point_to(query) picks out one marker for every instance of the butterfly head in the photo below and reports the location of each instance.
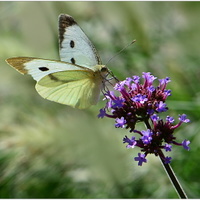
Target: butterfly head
(105, 75)
(102, 70)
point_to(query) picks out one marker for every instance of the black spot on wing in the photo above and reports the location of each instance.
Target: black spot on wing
(72, 44)
(43, 69)
(73, 60)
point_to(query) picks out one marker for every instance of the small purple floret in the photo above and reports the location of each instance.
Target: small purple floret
(139, 98)
(170, 119)
(120, 122)
(167, 160)
(118, 103)
(168, 147)
(154, 117)
(161, 107)
(131, 142)
(183, 118)
(102, 113)
(146, 138)
(185, 144)
(141, 158)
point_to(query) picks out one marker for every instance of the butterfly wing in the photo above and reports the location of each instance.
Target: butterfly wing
(39, 68)
(78, 88)
(75, 47)
(61, 82)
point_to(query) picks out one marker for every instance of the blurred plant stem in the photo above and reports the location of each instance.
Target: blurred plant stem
(174, 180)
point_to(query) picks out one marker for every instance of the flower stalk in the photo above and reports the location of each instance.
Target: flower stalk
(172, 177)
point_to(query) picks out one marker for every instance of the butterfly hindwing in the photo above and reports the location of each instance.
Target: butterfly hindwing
(75, 88)
(75, 47)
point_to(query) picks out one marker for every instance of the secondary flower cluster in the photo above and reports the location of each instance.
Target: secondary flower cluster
(142, 102)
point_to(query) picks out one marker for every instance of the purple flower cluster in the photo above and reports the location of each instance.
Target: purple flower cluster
(142, 102)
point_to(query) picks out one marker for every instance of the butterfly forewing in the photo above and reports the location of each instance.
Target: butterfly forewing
(75, 47)
(39, 68)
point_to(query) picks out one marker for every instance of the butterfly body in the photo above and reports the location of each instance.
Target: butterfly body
(77, 79)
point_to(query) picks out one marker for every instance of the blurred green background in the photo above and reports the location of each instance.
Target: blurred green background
(48, 150)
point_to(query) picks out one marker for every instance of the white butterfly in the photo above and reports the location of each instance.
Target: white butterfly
(77, 79)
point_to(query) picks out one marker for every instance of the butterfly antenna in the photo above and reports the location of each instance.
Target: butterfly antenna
(121, 51)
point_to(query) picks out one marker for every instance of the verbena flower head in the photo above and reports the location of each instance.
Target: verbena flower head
(142, 102)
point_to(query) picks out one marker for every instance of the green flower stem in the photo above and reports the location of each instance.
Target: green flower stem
(174, 180)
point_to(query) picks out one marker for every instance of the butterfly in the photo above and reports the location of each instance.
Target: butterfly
(77, 79)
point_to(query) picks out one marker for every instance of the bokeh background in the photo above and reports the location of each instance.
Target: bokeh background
(48, 150)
